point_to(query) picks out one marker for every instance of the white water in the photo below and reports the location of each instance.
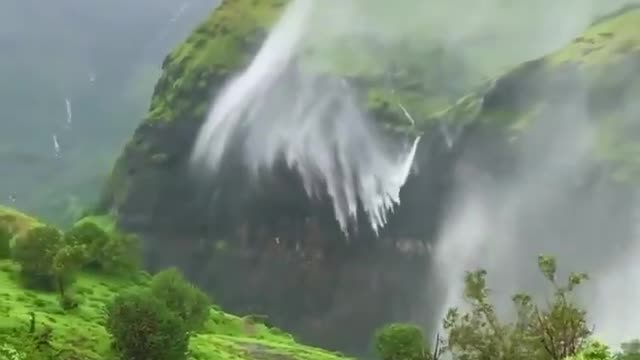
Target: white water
(502, 225)
(68, 108)
(274, 111)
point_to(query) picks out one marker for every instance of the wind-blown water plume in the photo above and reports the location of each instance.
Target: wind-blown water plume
(275, 111)
(551, 204)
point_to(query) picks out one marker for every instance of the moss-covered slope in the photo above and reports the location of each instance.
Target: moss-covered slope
(596, 77)
(80, 334)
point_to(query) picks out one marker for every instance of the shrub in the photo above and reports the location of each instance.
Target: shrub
(142, 327)
(181, 297)
(401, 342)
(92, 238)
(35, 252)
(111, 252)
(5, 242)
(121, 254)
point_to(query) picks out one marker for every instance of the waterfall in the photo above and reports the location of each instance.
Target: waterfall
(275, 112)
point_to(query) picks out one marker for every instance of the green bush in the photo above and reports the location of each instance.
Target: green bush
(5, 242)
(110, 252)
(401, 342)
(35, 251)
(181, 297)
(92, 238)
(121, 254)
(142, 328)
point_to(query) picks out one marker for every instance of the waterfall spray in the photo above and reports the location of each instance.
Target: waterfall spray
(277, 112)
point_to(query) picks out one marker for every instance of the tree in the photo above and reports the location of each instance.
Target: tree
(181, 297)
(554, 332)
(90, 236)
(401, 342)
(120, 254)
(67, 261)
(142, 328)
(5, 242)
(35, 251)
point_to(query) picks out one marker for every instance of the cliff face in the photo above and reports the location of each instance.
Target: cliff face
(269, 249)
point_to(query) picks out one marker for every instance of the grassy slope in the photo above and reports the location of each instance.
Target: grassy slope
(604, 55)
(16, 221)
(81, 330)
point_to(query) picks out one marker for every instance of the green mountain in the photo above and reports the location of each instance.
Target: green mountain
(222, 234)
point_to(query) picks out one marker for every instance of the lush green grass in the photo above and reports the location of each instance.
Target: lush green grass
(605, 41)
(16, 221)
(81, 330)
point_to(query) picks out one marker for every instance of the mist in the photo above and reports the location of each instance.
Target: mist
(83, 71)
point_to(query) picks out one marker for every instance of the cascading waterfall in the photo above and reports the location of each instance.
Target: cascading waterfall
(275, 111)
(502, 224)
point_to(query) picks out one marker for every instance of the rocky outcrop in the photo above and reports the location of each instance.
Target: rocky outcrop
(269, 249)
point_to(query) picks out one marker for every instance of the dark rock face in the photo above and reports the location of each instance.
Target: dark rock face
(268, 249)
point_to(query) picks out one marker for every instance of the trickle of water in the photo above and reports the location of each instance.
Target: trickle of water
(69, 114)
(56, 145)
(274, 111)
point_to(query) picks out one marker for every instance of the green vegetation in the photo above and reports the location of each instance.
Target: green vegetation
(72, 307)
(5, 242)
(606, 41)
(142, 328)
(556, 330)
(188, 302)
(215, 49)
(401, 342)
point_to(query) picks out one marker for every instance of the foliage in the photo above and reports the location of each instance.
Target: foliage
(35, 251)
(121, 254)
(68, 260)
(181, 297)
(630, 351)
(554, 332)
(401, 342)
(90, 236)
(5, 242)
(112, 252)
(143, 328)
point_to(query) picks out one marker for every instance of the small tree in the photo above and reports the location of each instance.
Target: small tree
(401, 342)
(92, 238)
(554, 332)
(67, 261)
(5, 242)
(181, 297)
(142, 328)
(121, 253)
(35, 252)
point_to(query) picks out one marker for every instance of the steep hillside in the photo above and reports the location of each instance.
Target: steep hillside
(79, 333)
(270, 249)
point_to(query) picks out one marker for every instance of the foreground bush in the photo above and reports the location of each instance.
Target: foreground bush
(401, 342)
(35, 251)
(555, 331)
(181, 297)
(143, 328)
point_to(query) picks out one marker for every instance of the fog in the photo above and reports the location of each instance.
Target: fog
(95, 60)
